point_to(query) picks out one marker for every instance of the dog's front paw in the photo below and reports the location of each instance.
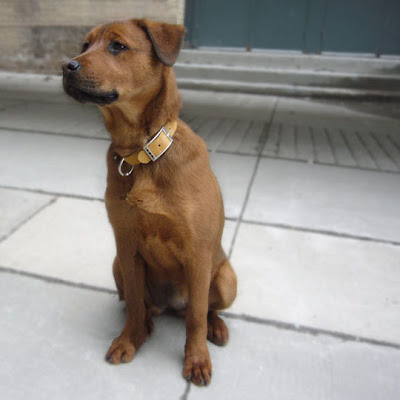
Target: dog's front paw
(122, 350)
(198, 368)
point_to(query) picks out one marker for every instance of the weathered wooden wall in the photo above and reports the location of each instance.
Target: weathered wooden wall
(38, 35)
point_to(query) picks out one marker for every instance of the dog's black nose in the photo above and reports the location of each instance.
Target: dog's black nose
(73, 66)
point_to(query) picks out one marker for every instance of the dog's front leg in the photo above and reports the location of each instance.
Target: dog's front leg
(134, 333)
(197, 366)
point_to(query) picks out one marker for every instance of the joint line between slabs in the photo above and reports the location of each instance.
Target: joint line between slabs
(185, 394)
(242, 317)
(321, 232)
(57, 281)
(259, 156)
(310, 330)
(49, 193)
(29, 218)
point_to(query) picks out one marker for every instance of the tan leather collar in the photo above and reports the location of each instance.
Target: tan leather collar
(153, 150)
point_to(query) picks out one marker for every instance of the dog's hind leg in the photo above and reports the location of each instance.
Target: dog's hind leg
(222, 294)
(223, 287)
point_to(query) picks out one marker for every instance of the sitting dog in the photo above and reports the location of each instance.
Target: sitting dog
(162, 199)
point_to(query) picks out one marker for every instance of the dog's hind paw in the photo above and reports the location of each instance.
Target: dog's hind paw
(217, 331)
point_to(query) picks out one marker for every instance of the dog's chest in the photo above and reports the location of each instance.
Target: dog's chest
(146, 217)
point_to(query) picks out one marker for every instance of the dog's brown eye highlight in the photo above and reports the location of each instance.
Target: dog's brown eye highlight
(85, 47)
(117, 47)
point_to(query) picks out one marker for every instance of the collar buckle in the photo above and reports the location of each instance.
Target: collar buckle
(150, 153)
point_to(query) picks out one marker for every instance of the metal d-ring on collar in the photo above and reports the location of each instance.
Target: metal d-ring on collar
(120, 168)
(147, 151)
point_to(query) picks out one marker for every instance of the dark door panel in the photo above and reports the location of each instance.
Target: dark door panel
(278, 24)
(311, 26)
(353, 26)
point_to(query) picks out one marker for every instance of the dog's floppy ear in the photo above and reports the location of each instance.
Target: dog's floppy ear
(167, 39)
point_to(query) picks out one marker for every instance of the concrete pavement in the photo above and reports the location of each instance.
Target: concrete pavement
(311, 190)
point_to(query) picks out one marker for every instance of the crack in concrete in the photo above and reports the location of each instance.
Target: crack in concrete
(263, 140)
(185, 394)
(310, 330)
(322, 232)
(26, 220)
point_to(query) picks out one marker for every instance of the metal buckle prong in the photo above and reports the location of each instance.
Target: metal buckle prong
(120, 168)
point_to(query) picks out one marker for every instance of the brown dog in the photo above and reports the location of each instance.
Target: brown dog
(167, 212)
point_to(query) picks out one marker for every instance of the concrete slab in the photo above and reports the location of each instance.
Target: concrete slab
(71, 240)
(262, 362)
(326, 282)
(17, 206)
(348, 201)
(54, 164)
(55, 349)
(54, 338)
(233, 173)
(67, 119)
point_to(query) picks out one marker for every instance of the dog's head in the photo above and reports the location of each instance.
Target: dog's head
(122, 60)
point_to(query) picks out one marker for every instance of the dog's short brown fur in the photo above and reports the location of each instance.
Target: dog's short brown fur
(167, 215)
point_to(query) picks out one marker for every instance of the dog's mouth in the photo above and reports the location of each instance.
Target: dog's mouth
(86, 95)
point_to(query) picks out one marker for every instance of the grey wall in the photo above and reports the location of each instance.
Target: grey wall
(38, 35)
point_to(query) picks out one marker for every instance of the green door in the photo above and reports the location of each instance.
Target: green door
(311, 26)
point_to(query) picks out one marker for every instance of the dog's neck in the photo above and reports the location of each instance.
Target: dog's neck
(132, 124)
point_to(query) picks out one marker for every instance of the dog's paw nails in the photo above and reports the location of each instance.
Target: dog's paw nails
(198, 370)
(121, 351)
(108, 358)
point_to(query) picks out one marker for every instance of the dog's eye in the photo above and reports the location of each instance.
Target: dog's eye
(85, 47)
(117, 47)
